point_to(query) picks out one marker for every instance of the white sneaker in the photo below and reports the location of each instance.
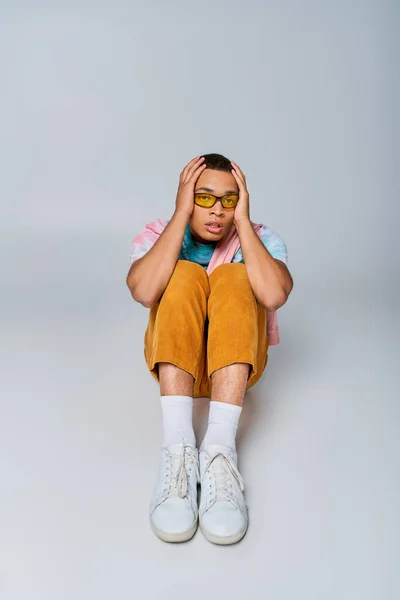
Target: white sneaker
(173, 507)
(223, 512)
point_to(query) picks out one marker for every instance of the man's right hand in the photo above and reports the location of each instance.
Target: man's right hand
(187, 180)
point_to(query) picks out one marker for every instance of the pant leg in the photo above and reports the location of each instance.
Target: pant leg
(237, 322)
(176, 327)
(202, 386)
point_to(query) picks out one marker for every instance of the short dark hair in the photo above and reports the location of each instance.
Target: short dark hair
(217, 162)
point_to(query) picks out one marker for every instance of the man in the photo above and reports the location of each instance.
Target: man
(213, 281)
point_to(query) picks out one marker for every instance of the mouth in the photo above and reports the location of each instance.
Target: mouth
(214, 227)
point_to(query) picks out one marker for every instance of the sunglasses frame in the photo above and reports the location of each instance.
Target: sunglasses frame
(215, 200)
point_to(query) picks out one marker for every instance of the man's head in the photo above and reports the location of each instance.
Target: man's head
(216, 179)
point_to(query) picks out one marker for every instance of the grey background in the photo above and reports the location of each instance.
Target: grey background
(102, 105)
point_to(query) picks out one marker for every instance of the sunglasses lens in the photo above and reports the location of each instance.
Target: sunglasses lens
(230, 201)
(204, 199)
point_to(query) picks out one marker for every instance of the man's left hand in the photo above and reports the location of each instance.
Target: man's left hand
(242, 210)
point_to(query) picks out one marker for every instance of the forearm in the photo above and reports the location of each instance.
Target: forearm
(266, 277)
(149, 276)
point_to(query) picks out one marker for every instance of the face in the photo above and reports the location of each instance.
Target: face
(218, 183)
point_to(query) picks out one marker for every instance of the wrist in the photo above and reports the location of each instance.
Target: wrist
(242, 222)
(181, 215)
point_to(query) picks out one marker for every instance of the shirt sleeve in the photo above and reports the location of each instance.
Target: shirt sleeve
(273, 242)
(142, 243)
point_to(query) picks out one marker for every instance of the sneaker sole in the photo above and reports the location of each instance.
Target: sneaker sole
(182, 536)
(223, 540)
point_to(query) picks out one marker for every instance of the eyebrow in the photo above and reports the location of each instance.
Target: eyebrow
(212, 191)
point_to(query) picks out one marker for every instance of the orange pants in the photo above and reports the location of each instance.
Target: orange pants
(205, 322)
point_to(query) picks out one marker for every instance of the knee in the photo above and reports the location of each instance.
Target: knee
(229, 274)
(188, 279)
(228, 270)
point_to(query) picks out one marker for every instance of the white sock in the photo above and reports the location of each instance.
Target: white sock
(177, 415)
(223, 420)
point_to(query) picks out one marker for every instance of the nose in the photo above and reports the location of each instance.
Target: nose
(217, 208)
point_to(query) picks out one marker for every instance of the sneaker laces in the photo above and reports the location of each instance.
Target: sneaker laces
(222, 468)
(177, 476)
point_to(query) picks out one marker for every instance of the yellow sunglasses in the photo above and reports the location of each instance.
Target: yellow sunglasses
(208, 200)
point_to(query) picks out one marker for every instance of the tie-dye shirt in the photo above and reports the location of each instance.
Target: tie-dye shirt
(201, 253)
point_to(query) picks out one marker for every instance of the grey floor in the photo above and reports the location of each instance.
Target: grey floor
(81, 431)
